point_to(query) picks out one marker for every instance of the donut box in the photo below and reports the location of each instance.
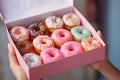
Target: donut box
(22, 12)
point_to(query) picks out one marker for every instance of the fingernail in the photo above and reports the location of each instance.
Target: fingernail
(99, 33)
(8, 46)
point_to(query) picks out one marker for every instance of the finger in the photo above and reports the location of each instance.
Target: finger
(11, 55)
(99, 33)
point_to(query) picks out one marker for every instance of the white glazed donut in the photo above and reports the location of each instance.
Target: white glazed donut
(54, 23)
(32, 60)
(71, 20)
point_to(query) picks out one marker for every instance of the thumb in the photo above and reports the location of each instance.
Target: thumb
(11, 55)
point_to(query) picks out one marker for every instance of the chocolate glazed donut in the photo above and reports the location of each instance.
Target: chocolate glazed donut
(37, 29)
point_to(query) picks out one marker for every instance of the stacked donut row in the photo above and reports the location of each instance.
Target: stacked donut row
(57, 38)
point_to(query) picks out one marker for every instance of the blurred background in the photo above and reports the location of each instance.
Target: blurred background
(103, 15)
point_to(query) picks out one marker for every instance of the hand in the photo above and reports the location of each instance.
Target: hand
(98, 65)
(106, 68)
(17, 70)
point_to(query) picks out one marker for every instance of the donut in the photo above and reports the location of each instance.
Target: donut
(19, 33)
(32, 60)
(90, 43)
(41, 42)
(24, 47)
(71, 48)
(80, 33)
(60, 36)
(54, 23)
(71, 20)
(51, 54)
(37, 29)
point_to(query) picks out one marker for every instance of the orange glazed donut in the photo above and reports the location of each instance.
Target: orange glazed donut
(42, 42)
(90, 44)
(19, 33)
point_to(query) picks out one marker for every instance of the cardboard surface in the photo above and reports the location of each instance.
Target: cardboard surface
(20, 9)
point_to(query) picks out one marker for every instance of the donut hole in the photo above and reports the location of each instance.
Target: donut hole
(51, 55)
(62, 35)
(71, 49)
(18, 32)
(80, 31)
(43, 42)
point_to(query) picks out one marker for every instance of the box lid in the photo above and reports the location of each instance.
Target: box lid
(13, 10)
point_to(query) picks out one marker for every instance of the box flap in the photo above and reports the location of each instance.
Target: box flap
(13, 10)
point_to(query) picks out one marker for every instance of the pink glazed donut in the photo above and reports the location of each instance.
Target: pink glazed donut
(42, 42)
(19, 33)
(51, 54)
(32, 59)
(71, 48)
(60, 36)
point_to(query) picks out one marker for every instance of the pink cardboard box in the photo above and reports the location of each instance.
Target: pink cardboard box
(18, 12)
